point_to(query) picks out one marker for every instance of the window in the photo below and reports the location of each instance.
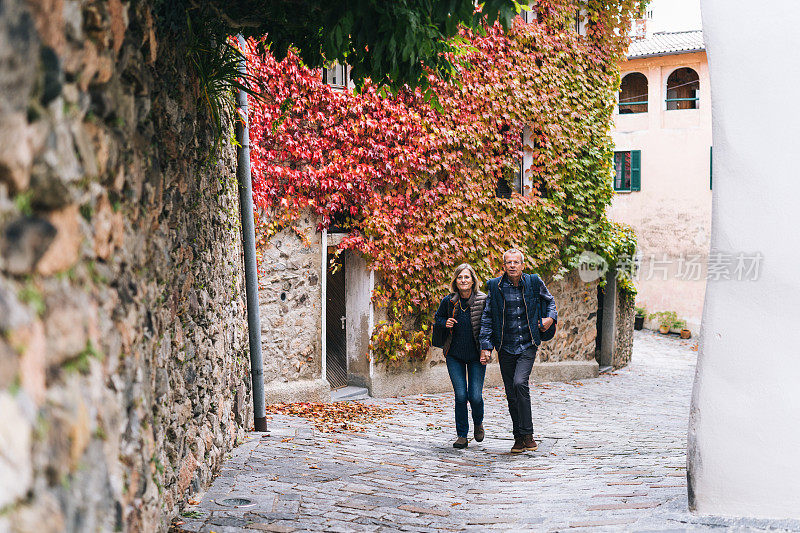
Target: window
(510, 182)
(335, 76)
(528, 16)
(633, 94)
(578, 23)
(627, 170)
(683, 89)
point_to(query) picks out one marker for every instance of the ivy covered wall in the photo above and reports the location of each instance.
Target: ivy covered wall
(413, 176)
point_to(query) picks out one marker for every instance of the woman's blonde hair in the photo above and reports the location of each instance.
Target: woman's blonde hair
(459, 269)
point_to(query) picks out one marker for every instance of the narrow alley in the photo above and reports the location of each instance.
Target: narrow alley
(611, 457)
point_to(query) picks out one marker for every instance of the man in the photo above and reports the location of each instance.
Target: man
(510, 324)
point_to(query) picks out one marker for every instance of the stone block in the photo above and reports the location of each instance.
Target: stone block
(564, 371)
(9, 366)
(13, 314)
(24, 242)
(64, 249)
(16, 157)
(186, 473)
(15, 441)
(30, 340)
(66, 321)
(307, 390)
(45, 515)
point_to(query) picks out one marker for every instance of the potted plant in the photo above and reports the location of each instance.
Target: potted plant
(638, 319)
(685, 332)
(677, 326)
(665, 320)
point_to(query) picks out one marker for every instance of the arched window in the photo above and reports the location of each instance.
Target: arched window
(683, 89)
(633, 94)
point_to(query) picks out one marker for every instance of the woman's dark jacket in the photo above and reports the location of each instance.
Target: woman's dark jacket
(475, 302)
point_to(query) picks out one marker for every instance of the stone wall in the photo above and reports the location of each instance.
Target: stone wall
(623, 339)
(290, 299)
(570, 355)
(123, 361)
(577, 321)
(291, 307)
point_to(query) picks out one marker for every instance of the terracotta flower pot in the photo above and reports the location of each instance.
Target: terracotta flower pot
(686, 334)
(664, 330)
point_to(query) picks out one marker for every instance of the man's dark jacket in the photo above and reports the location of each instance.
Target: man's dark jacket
(493, 317)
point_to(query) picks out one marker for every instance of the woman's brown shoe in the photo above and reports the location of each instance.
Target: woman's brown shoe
(460, 443)
(529, 444)
(479, 433)
(518, 447)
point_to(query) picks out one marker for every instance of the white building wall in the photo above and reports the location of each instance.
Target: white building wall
(744, 428)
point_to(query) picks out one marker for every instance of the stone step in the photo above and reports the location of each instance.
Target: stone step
(350, 392)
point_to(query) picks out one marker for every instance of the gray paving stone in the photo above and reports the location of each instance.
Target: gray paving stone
(615, 444)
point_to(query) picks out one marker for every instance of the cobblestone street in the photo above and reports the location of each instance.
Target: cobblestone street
(611, 457)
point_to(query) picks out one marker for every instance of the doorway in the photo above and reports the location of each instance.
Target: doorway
(606, 322)
(336, 319)
(601, 293)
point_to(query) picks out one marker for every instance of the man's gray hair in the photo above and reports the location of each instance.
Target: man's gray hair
(514, 251)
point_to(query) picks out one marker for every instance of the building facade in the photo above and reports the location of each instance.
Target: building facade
(317, 317)
(662, 169)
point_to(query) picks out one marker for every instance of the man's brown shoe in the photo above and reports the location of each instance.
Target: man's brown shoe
(479, 433)
(460, 443)
(529, 444)
(518, 447)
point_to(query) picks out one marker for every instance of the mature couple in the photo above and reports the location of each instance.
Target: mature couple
(507, 319)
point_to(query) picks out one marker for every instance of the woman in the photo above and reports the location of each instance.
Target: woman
(460, 313)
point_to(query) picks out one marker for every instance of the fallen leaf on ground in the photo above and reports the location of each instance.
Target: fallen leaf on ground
(332, 417)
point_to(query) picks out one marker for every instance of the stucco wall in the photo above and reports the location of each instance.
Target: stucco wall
(359, 294)
(123, 347)
(671, 214)
(745, 417)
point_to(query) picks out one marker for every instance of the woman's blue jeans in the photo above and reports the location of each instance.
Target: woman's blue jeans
(467, 379)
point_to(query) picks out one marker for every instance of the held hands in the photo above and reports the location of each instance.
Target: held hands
(546, 323)
(451, 322)
(486, 355)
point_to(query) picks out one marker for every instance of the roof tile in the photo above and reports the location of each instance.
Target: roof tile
(667, 43)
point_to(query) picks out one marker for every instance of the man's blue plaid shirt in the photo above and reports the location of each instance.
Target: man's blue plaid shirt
(516, 333)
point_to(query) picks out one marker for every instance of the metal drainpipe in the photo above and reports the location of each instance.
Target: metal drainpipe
(249, 244)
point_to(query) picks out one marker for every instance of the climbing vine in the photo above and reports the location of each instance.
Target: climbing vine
(413, 179)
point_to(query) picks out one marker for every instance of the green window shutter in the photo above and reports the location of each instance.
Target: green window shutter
(636, 170)
(710, 167)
